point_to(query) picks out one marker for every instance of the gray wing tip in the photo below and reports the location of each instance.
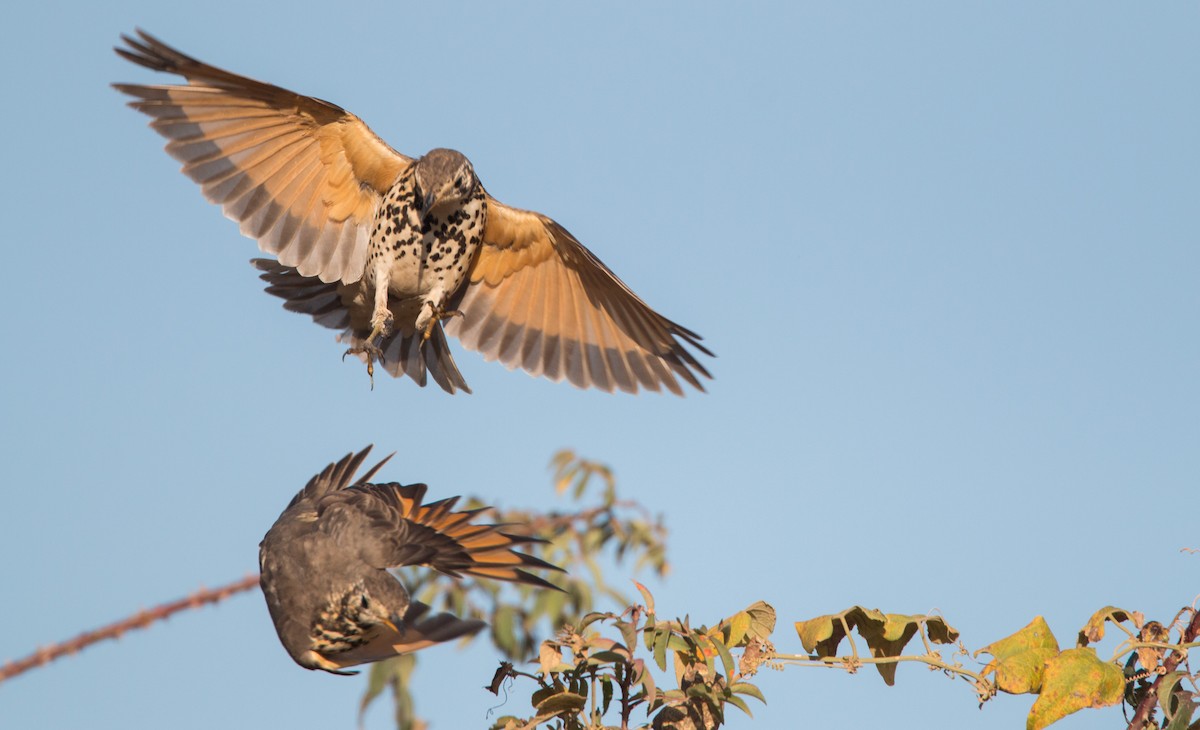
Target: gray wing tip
(337, 476)
(150, 52)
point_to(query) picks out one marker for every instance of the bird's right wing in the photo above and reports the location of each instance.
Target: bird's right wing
(300, 175)
(539, 300)
(416, 631)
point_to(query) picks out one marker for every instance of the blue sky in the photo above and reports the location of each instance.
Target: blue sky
(946, 253)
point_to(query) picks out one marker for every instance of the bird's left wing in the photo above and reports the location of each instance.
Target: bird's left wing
(392, 526)
(338, 476)
(538, 300)
(300, 175)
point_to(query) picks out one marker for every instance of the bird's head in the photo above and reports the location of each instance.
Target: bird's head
(444, 177)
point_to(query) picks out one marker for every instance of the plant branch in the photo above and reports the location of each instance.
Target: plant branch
(803, 660)
(1150, 699)
(139, 620)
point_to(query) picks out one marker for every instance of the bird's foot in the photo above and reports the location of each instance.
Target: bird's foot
(371, 350)
(437, 314)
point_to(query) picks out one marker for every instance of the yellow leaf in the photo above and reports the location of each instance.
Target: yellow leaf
(762, 620)
(888, 639)
(739, 625)
(822, 634)
(1094, 630)
(1020, 658)
(1074, 680)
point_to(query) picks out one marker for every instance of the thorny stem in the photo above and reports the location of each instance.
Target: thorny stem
(595, 702)
(139, 620)
(626, 709)
(562, 521)
(1150, 699)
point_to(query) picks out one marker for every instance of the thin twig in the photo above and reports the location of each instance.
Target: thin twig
(139, 620)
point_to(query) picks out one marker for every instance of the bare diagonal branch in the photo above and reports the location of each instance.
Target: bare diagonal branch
(139, 620)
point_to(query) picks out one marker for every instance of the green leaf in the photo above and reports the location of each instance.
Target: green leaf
(560, 703)
(675, 642)
(608, 656)
(745, 688)
(504, 631)
(606, 687)
(377, 680)
(1183, 717)
(543, 694)
(699, 690)
(1074, 680)
(739, 703)
(628, 633)
(646, 596)
(726, 658)
(1177, 706)
(661, 638)
(647, 682)
(1019, 659)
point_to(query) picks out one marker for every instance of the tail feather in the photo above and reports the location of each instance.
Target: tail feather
(403, 354)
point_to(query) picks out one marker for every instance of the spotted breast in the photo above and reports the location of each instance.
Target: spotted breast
(429, 225)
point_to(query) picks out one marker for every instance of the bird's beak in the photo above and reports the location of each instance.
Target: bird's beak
(427, 203)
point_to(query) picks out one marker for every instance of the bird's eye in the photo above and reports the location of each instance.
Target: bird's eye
(458, 182)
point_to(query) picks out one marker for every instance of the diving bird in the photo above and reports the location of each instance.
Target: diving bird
(391, 250)
(325, 567)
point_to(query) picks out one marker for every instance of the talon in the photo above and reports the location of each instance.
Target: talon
(437, 314)
(373, 353)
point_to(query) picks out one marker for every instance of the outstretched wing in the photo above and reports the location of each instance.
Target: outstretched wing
(300, 175)
(390, 527)
(538, 300)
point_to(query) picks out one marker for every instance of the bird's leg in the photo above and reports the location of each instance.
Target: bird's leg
(381, 327)
(430, 315)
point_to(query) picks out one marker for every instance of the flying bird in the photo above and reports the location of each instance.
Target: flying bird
(325, 567)
(393, 250)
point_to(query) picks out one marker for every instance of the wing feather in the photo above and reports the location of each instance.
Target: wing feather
(403, 531)
(300, 175)
(537, 299)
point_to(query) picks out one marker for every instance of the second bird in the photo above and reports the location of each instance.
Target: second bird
(391, 250)
(326, 567)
